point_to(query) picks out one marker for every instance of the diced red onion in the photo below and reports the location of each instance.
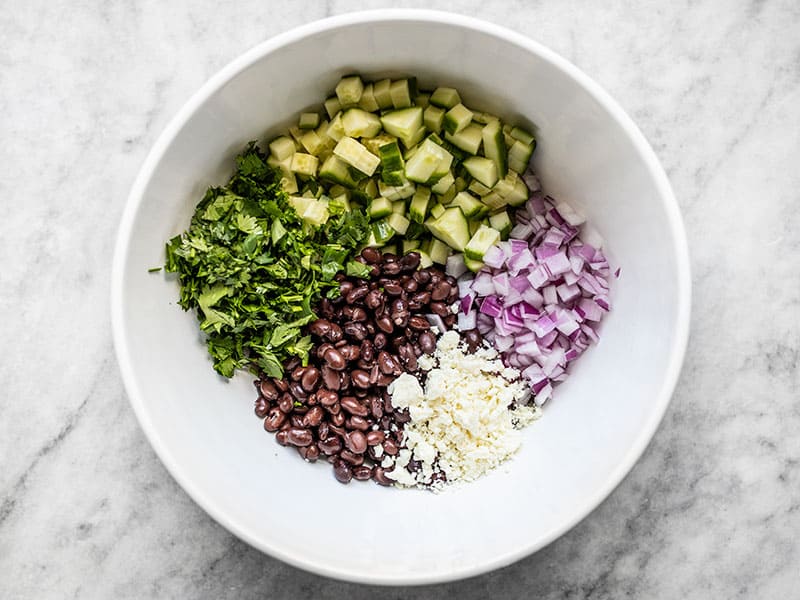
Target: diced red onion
(491, 306)
(455, 265)
(467, 321)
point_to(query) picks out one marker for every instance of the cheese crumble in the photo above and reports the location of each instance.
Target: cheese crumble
(464, 422)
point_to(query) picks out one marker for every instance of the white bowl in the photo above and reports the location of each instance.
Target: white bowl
(203, 429)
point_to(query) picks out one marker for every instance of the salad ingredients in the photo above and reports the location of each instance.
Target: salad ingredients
(254, 261)
(464, 422)
(543, 292)
(371, 332)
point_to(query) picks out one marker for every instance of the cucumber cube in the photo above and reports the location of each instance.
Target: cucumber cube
(494, 147)
(356, 155)
(477, 188)
(444, 184)
(418, 209)
(374, 144)
(506, 185)
(312, 142)
(367, 101)
(493, 200)
(501, 222)
(382, 231)
(309, 120)
(445, 97)
(482, 169)
(404, 123)
(360, 123)
(523, 136)
(394, 177)
(382, 92)
(305, 164)
(391, 159)
(469, 204)
(484, 118)
(399, 206)
(337, 171)
(389, 249)
(349, 90)
(398, 222)
(424, 260)
(519, 155)
(437, 210)
(468, 139)
(451, 227)
(410, 246)
(371, 188)
(335, 130)
(484, 238)
(519, 195)
(401, 92)
(457, 118)
(425, 161)
(282, 147)
(332, 106)
(379, 208)
(433, 117)
(422, 100)
(473, 265)
(448, 196)
(439, 251)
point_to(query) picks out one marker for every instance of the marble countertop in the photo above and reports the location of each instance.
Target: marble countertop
(712, 510)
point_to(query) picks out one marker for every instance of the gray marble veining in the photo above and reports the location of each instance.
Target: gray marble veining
(711, 511)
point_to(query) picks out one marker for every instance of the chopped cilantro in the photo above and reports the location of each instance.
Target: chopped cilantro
(252, 269)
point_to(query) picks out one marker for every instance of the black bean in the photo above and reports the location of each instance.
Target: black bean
(313, 417)
(310, 379)
(262, 408)
(268, 390)
(330, 445)
(356, 441)
(351, 457)
(375, 437)
(367, 351)
(388, 364)
(357, 294)
(380, 476)
(342, 471)
(353, 406)
(390, 447)
(356, 422)
(327, 397)
(297, 390)
(362, 473)
(393, 289)
(473, 338)
(371, 255)
(286, 403)
(440, 291)
(282, 437)
(440, 308)
(360, 379)
(384, 323)
(335, 359)
(392, 268)
(419, 323)
(330, 377)
(410, 261)
(375, 406)
(373, 299)
(359, 315)
(274, 420)
(379, 341)
(423, 276)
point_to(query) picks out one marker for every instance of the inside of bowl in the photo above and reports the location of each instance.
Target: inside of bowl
(204, 428)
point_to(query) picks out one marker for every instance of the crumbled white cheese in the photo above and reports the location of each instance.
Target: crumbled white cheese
(461, 424)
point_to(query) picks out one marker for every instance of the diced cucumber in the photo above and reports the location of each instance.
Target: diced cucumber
(469, 204)
(335, 129)
(399, 206)
(410, 246)
(473, 227)
(501, 222)
(389, 249)
(451, 227)
(382, 231)
(423, 164)
(391, 159)
(439, 251)
(482, 169)
(338, 190)
(289, 182)
(493, 200)
(477, 188)
(494, 146)
(461, 184)
(360, 123)
(356, 155)
(433, 117)
(296, 134)
(409, 152)
(312, 142)
(445, 97)
(416, 231)
(519, 155)
(371, 189)
(382, 93)
(416, 138)
(402, 92)
(506, 185)
(308, 120)
(484, 117)
(404, 123)
(441, 186)
(282, 147)
(422, 99)
(367, 101)
(312, 211)
(473, 265)
(398, 222)
(442, 169)
(371, 241)
(457, 118)
(484, 238)
(448, 196)
(380, 207)
(468, 139)
(349, 90)
(394, 177)
(519, 195)
(523, 136)
(332, 106)
(424, 260)
(437, 210)
(418, 209)
(337, 171)
(374, 144)
(305, 164)
(398, 192)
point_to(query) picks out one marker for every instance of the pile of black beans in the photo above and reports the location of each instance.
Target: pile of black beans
(338, 407)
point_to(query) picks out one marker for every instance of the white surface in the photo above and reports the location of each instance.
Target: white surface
(591, 155)
(88, 511)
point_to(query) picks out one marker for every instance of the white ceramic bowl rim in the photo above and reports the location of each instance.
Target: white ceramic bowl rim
(675, 226)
